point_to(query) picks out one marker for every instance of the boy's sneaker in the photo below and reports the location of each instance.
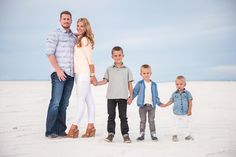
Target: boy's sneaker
(153, 137)
(188, 138)
(141, 137)
(175, 138)
(126, 138)
(110, 137)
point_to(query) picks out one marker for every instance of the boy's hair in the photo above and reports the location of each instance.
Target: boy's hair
(180, 77)
(65, 12)
(116, 48)
(146, 66)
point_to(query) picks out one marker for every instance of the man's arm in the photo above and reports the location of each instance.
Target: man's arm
(60, 73)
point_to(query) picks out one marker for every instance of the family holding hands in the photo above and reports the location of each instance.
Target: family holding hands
(71, 58)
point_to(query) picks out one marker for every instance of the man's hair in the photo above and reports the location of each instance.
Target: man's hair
(146, 66)
(116, 48)
(65, 12)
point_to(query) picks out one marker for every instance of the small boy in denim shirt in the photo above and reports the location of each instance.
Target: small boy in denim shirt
(182, 109)
(147, 93)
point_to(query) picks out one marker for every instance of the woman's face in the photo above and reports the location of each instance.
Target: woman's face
(80, 28)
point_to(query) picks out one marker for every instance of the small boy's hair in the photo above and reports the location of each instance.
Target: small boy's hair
(145, 66)
(180, 77)
(65, 12)
(116, 48)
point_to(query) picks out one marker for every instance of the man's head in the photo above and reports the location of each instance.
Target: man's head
(65, 19)
(117, 54)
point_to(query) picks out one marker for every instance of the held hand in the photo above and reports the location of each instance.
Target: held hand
(93, 80)
(163, 105)
(129, 101)
(61, 75)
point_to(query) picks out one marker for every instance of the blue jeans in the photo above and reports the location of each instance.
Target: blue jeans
(56, 116)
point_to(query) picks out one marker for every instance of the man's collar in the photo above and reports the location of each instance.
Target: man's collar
(64, 30)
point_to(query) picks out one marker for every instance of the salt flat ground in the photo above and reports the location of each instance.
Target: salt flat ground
(23, 107)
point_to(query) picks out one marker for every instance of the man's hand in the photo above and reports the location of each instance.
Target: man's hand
(61, 75)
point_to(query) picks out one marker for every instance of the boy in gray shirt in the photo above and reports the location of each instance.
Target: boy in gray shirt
(119, 79)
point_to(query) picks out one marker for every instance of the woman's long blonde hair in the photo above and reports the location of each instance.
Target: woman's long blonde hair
(88, 33)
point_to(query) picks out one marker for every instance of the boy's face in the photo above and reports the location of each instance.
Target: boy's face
(180, 84)
(146, 73)
(117, 56)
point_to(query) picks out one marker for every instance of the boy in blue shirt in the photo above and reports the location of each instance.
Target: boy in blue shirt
(146, 90)
(182, 109)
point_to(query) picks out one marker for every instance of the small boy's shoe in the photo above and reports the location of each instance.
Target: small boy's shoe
(153, 137)
(110, 137)
(141, 137)
(126, 138)
(175, 138)
(188, 138)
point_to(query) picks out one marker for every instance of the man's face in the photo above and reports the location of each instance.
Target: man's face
(65, 21)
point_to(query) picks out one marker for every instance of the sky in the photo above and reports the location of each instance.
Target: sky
(176, 37)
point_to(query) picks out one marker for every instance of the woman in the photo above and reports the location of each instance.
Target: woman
(84, 74)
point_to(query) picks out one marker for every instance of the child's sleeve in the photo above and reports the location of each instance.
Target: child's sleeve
(189, 95)
(172, 97)
(130, 76)
(157, 97)
(106, 75)
(136, 90)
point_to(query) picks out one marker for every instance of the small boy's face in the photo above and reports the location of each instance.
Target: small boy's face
(117, 56)
(180, 84)
(146, 73)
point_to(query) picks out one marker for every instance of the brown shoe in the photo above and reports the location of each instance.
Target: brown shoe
(73, 132)
(90, 132)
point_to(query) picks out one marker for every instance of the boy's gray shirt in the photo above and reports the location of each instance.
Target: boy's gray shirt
(118, 82)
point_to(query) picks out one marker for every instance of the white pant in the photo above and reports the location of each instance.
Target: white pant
(181, 125)
(84, 98)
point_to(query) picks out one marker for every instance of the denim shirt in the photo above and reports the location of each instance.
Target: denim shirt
(139, 90)
(180, 101)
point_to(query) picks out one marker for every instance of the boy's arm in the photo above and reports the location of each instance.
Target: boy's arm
(130, 92)
(167, 104)
(102, 82)
(190, 107)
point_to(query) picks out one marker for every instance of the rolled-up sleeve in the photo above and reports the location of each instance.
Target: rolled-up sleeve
(51, 43)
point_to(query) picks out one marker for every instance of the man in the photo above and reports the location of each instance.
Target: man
(60, 47)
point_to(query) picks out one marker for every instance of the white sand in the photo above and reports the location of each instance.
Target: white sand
(23, 107)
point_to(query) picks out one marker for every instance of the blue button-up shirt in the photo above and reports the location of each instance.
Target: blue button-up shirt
(180, 101)
(139, 90)
(61, 44)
